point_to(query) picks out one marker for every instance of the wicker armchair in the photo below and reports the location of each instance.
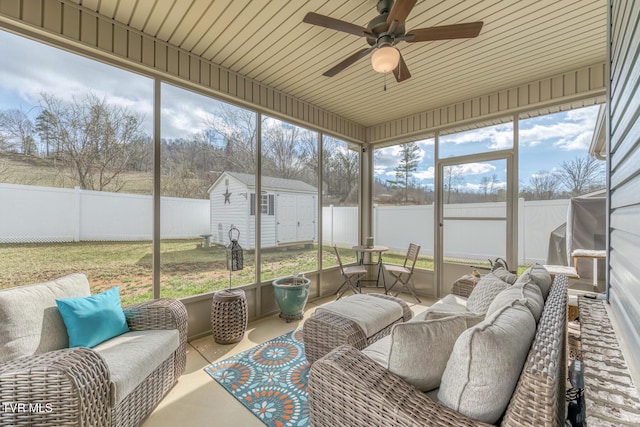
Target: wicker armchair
(72, 386)
(348, 388)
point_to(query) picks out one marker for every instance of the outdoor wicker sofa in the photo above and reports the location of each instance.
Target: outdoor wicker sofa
(55, 386)
(348, 388)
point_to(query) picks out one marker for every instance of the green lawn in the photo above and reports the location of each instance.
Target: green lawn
(185, 269)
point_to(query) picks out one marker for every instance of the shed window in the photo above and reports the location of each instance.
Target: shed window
(267, 202)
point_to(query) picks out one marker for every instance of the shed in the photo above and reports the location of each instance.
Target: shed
(288, 207)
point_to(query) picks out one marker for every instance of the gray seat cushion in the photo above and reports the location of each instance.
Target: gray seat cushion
(370, 313)
(449, 304)
(30, 322)
(131, 357)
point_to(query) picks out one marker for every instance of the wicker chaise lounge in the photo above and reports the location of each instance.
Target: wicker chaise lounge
(49, 385)
(348, 388)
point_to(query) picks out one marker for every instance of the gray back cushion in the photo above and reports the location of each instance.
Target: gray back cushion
(540, 276)
(30, 322)
(486, 362)
(484, 292)
(525, 290)
(504, 274)
(418, 351)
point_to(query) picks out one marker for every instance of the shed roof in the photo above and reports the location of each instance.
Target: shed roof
(269, 182)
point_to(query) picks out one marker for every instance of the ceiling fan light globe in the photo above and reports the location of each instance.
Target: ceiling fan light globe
(385, 59)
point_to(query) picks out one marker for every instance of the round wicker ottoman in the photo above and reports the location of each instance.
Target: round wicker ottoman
(229, 316)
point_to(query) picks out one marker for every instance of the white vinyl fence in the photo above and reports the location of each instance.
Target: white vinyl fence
(397, 226)
(45, 214)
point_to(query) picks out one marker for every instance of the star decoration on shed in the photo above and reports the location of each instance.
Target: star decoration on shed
(227, 196)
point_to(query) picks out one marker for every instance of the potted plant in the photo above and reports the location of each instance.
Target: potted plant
(291, 294)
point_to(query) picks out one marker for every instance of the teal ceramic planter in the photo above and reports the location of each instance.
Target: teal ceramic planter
(291, 296)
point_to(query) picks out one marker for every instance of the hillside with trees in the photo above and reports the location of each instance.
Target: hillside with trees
(575, 177)
(95, 145)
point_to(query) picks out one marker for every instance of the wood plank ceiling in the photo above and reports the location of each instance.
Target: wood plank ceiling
(521, 41)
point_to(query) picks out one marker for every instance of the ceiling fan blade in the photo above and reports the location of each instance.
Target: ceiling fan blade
(334, 24)
(347, 61)
(399, 11)
(401, 72)
(445, 32)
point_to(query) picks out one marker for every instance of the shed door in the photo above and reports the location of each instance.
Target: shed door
(306, 217)
(286, 218)
(296, 218)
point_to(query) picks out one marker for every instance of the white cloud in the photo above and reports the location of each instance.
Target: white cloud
(378, 171)
(476, 168)
(426, 142)
(578, 142)
(428, 174)
(68, 75)
(571, 132)
(494, 137)
(472, 187)
(389, 157)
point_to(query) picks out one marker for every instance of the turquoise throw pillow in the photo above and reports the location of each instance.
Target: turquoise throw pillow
(93, 319)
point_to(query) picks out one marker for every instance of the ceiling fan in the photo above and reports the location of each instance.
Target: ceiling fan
(385, 31)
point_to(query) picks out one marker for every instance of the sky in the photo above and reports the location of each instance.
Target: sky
(545, 141)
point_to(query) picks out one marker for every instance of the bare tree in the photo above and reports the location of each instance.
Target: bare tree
(17, 131)
(236, 129)
(97, 140)
(453, 178)
(283, 153)
(580, 174)
(544, 185)
(341, 169)
(488, 186)
(189, 164)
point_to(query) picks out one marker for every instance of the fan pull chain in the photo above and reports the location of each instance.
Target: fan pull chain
(385, 82)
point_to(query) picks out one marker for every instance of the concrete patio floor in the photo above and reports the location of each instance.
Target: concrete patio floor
(197, 400)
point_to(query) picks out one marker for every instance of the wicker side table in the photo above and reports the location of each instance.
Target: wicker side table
(229, 316)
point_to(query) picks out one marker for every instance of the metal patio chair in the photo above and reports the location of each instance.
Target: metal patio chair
(352, 276)
(403, 274)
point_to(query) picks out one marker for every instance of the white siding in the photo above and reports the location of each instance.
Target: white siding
(268, 231)
(238, 213)
(624, 155)
(235, 212)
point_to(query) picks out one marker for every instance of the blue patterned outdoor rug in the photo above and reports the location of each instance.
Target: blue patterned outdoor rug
(270, 380)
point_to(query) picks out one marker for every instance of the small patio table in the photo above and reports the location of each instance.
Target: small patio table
(361, 250)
